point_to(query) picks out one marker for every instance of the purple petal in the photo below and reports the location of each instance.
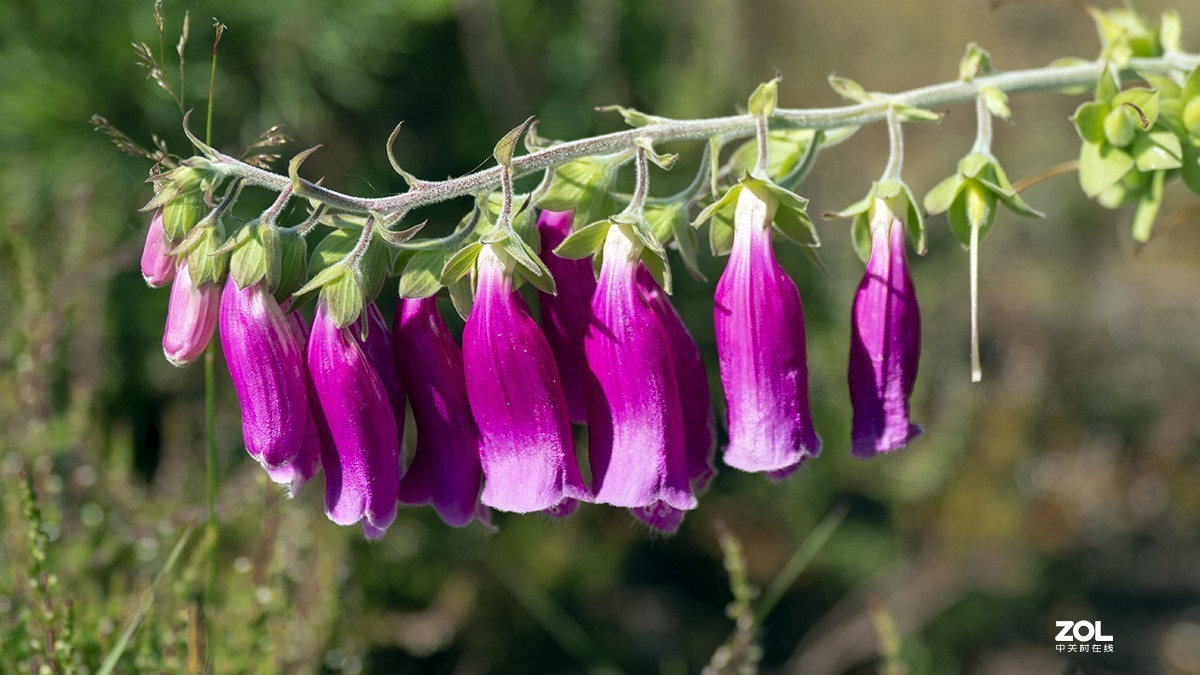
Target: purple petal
(699, 423)
(565, 316)
(516, 396)
(363, 471)
(378, 348)
(266, 364)
(635, 422)
(445, 469)
(316, 432)
(158, 266)
(885, 344)
(760, 341)
(191, 318)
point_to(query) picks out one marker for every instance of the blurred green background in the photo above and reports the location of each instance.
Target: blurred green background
(1065, 486)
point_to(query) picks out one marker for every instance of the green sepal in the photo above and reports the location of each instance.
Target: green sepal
(942, 195)
(641, 229)
(720, 234)
(975, 206)
(345, 296)
(529, 265)
(787, 149)
(1126, 191)
(668, 220)
(1170, 32)
(422, 274)
(859, 207)
(1101, 166)
(252, 261)
(910, 113)
(915, 222)
(1147, 208)
(974, 164)
(1089, 121)
(726, 203)
(791, 217)
(1107, 86)
(664, 162)
(765, 97)
(1121, 126)
(659, 268)
(995, 179)
(205, 265)
(1190, 172)
(685, 243)
(585, 241)
(1125, 31)
(462, 295)
(860, 235)
(1147, 101)
(182, 213)
(461, 263)
(374, 264)
(1191, 86)
(1190, 118)
(1158, 150)
(293, 264)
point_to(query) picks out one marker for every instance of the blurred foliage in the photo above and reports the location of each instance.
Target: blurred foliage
(1065, 486)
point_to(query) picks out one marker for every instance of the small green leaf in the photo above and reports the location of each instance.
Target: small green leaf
(996, 180)
(1107, 86)
(422, 274)
(584, 242)
(910, 113)
(461, 263)
(791, 217)
(764, 98)
(1147, 209)
(1101, 166)
(972, 164)
(504, 150)
(634, 118)
(938, 199)
(248, 264)
(848, 89)
(861, 206)
(996, 102)
(664, 162)
(1157, 151)
(975, 61)
(322, 278)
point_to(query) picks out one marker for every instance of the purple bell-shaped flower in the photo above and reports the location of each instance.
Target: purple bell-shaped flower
(516, 395)
(760, 341)
(885, 343)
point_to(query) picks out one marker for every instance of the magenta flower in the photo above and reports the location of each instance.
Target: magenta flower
(636, 439)
(699, 424)
(316, 432)
(191, 317)
(760, 341)
(445, 469)
(378, 348)
(885, 343)
(516, 396)
(362, 476)
(266, 363)
(158, 265)
(565, 316)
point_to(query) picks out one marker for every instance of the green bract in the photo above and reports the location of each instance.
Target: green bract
(969, 197)
(900, 200)
(791, 218)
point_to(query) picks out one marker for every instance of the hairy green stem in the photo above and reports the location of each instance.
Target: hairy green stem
(931, 97)
(983, 127)
(895, 163)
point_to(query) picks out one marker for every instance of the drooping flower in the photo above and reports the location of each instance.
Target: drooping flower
(445, 468)
(760, 341)
(266, 364)
(158, 266)
(191, 317)
(516, 396)
(378, 348)
(699, 423)
(565, 315)
(317, 440)
(636, 438)
(885, 343)
(362, 476)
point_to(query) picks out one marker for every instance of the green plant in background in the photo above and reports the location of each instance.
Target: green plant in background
(1135, 141)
